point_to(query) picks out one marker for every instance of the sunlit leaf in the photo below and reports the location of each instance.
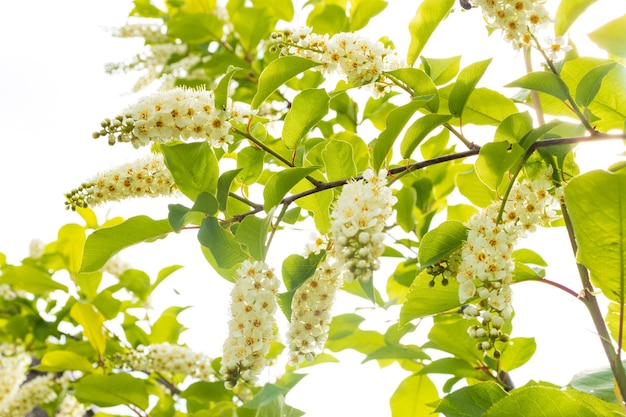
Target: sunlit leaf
(92, 321)
(222, 244)
(193, 166)
(338, 160)
(611, 37)
(111, 390)
(249, 165)
(279, 184)
(308, 108)
(195, 27)
(495, 159)
(465, 85)
(598, 382)
(428, 16)
(545, 82)
(252, 232)
(414, 397)
(474, 189)
(252, 24)
(418, 131)
(423, 301)
(441, 70)
(328, 18)
(589, 85)
(517, 351)
(220, 93)
(70, 243)
(471, 401)
(167, 328)
(64, 360)
(30, 279)
(277, 73)
(363, 10)
(567, 13)
(441, 242)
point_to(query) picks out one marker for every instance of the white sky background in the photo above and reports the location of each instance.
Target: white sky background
(54, 93)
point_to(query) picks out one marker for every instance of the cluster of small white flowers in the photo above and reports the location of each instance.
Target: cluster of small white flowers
(519, 20)
(315, 245)
(250, 327)
(171, 359)
(37, 391)
(486, 262)
(7, 293)
(116, 266)
(152, 30)
(177, 114)
(36, 248)
(310, 313)
(147, 177)
(358, 59)
(70, 407)
(358, 223)
(14, 363)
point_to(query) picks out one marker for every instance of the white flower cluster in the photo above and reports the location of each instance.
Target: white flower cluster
(14, 363)
(70, 407)
(177, 114)
(37, 391)
(250, 327)
(7, 293)
(358, 223)
(147, 177)
(171, 359)
(310, 313)
(486, 265)
(351, 55)
(152, 30)
(116, 266)
(519, 20)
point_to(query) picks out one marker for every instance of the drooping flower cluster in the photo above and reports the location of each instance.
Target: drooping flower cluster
(358, 59)
(166, 358)
(486, 263)
(358, 223)
(310, 313)
(177, 114)
(37, 391)
(147, 177)
(70, 407)
(250, 327)
(14, 363)
(519, 20)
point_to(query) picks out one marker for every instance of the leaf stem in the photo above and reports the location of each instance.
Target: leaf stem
(589, 299)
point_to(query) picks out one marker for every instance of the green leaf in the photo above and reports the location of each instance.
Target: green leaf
(249, 165)
(452, 366)
(598, 382)
(111, 390)
(282, 9)
(596, 202)
(252, 25)
(615, 322)
(421, 85)
(223, 185)
(327, 18)
(195, 27)
(70, 244)
(102, 244)
(418, 131)
(92, 322)
(395, 122)
(30, 279)
(495, 159)
(528, 256)
(441, 70)
(308, 108)
(611, 37)
(405, 217)
(422, 300)
(222, 244)
(474, 189)
(277, 73)
(471, 401)
(279, 184)
(362, 11)
(541, 401)
(441, 242)
(252, 232)
(487, 107)
(193, 166)
(514, 128)
(64, 360)
(449, 334)
(270, 392)
(221, 91)
(567, 13)
(107, 304)
(297, 269)
(517, 352)
(545, 82)
(428, 16)
(338, 160)
(200, 395)
(167, 328)
(395, 353)
(465, 85)
(414, 397)
(589, 85)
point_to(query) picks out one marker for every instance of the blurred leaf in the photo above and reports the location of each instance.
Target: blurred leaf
(202, 394)
(599, 225)
(102, 244)
(422, 300)
(418, 131)
(167, 328)
(407, 196)
(193, 166)
(567, 13)
(279, 184)
(308, 108)
(64, 360)
(611, 37)
(277, 73)
(465, 85)
(545, 82)
(222, 244)
(452, 366)
(328, 18)
(414, 397)
(338, 160)
(30, 279)
(615, 322)
(92, 322)
(395, 353)
(111, 390)
(362, 11)
(252, 24)
(472, 401)
(70, 244)
(428, 16)
(195, 27)
(598, 382)
(282, 9)
(589, 85)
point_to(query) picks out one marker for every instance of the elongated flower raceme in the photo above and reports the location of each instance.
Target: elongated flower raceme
(177, 114)
(165, 358)
(310, 313)
(14, 363)
(358, 223)
(358, 59)
(147, 177)
(486, 259)
(37, 391)
(250, 327)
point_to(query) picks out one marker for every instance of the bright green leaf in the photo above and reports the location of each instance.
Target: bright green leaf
(441, 242)
(362, 11)
(465, 85)
(422, 300)
(102, 244)
(30, 279)
(222, 244)
(308, 108)
(495, 159)
(514, 128)
(167, 328)
(70, 243)
(405, 217)
(193, 166)
(195, 27)
(517, 352)
(223, 186)
(418, 131)
(441, 70)
(277, 73)
(528, 256)
(472, 401)
(64, 360)
(449, 334)
(111, 390)
(249, 164)
(414, 397)
(428, 16)
(599, 222)
(567, 13)
(220, 93)
(545, 82)
(282, 9)
(611, 37)
(279, 184)
(452, 366)
(92, 322)
(597, 382)
(338, 160)
(472, 187)
(589, 85)
(252, 232)
(252, 24)
(395, 353)
(327, 18)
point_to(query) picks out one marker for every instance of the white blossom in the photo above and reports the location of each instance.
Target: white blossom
(170, 359)
(37, 391)
(14, 363)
